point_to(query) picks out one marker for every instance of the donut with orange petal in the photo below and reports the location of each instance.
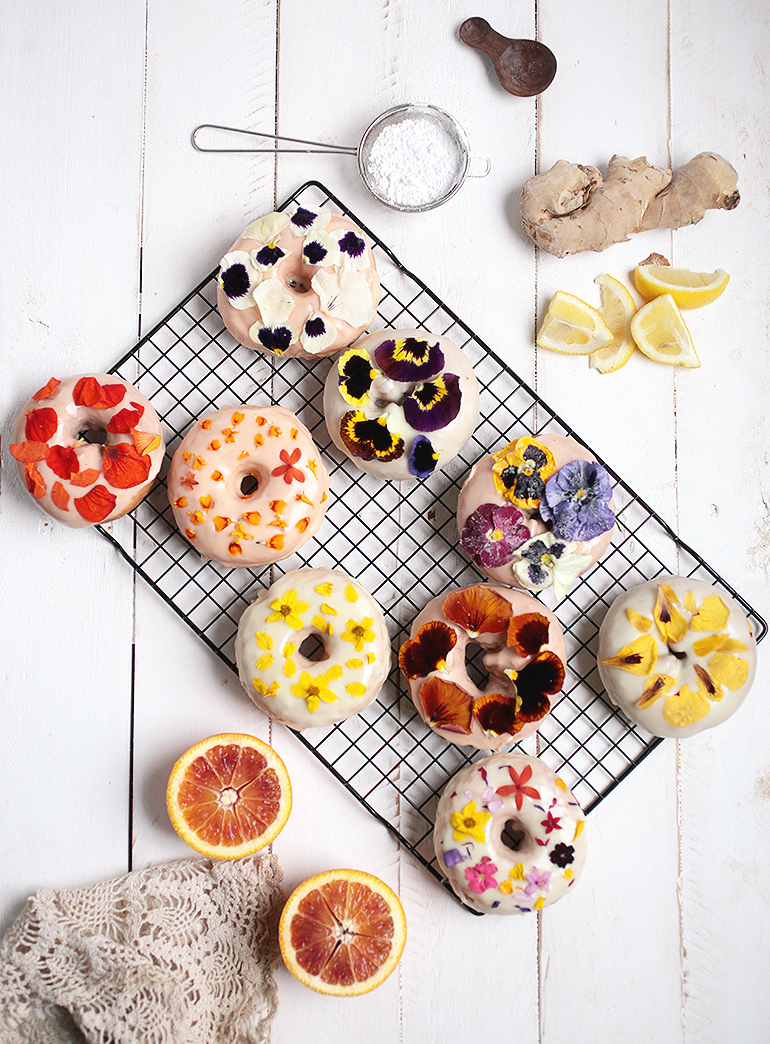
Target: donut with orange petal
(247, 485)
(88, 448)
(519, 665)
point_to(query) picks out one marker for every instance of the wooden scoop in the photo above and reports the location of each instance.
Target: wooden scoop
(523, 67)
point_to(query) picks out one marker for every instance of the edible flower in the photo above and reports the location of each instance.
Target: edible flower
(409, 359)
(481, 876)
(288, 608)
(576, 501)
(422, 458)
(89, 392)
(470, 823)
(359, 633)
(434, 404)
(491, 534)
(446, 705)
(356, 374)
(519, 787)
(317, 334)
(238, 278)
(344, 294)
(562, 855)
(638, 657)
(275, 339)
(428, 650)
(671, 623)
(123, 467)
(320, 248)
(547, 561)
(521, 470)
(528, 633)
(314, 690)
(303, 220)
(685, 707)
(266, 229)
(477, 609)
(274, 302)
(352, 248)
(370, 439)
(542, 677)
(286, 469)
(537, 881)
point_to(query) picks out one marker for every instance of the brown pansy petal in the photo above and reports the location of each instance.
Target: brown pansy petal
(41, 424)
(478, 610)
(528, 633)
(427, 651)
(29, 452)
(89, 392)
(35, 483)
(446, 705)
(145, 442)
(125, 419)
(60, 496)
(84, 478)
(496, 714)
(47, 390)
(123, 467)
(63, 461)
(96, 505)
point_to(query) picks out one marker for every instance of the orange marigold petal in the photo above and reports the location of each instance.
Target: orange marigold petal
(303, 524)
(277, 542)
(446, 705)
(29, 452)
(234, 548)
(96, 505)
(478, 610)
(221, 522)
(528, 633)
(84, 478)
(123, 467)
(47, 390)
(60, 496)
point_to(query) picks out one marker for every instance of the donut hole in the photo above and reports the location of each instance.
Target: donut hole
(296, 276)
(313, 648)
(94, 436)
(513, 836)
(248, 486)
(474, 665)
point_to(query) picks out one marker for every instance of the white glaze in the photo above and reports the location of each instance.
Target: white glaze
(385, 402)
(479, 488)
(295, 275)
(538, 805)
(66, 492)
(217, 454)
(497, 657)
(352, 665)
(625, 689)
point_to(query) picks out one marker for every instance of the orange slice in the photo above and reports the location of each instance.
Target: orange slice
(228, 796)
(342, 932)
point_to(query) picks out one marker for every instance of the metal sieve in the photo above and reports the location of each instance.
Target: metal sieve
(421, 139)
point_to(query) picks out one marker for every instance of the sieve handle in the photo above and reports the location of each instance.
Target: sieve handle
(483, 160)
(317, 146)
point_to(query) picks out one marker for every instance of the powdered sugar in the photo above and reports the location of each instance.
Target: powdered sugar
(414, 162)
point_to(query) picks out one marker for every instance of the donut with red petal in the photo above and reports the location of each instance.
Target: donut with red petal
(521, 649)
(88, 448)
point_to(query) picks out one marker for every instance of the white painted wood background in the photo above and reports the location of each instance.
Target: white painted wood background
(109, 217)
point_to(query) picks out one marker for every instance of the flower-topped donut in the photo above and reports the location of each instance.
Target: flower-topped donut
(537, 513)
(401, 403)
(303, 283)
(676, 656)
(522, 652)
(88, 448)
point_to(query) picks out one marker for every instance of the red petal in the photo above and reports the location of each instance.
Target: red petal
(47, 391)
(144, 441)
(478, 609)
(89, 392)
(123, 467)
(63, 461)
(29, 452)
(60, 496)
(41, 424)
(446, 705)
(528, 633)
(125, 420)
(496, 714)
(85, 478)
(96, 505)
(35, 483)
(429, 648)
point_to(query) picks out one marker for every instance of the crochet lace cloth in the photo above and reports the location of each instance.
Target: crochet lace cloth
(177, 954)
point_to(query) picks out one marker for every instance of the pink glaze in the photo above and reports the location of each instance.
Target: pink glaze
(208, 485)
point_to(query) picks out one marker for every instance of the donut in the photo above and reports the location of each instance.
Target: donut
(522, 652)
(300, 283)
(247, 485)
(88, 448)
(676, 656)
(509, 835)
(401, 403)
(313, 649)
(536, 514)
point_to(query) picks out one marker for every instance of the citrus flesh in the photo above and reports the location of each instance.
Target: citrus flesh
(617, 309)
(688, 289)
(660, 332)
(342, 932)
(228, 796)
(573, 327)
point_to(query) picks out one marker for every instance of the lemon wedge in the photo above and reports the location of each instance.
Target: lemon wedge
(573, 327)
(617, 309)
(689, 289)
(659, 331)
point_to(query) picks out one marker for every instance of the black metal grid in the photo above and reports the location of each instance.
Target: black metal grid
(399, 540)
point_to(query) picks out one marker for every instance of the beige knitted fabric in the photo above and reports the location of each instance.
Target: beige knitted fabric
(177, 954)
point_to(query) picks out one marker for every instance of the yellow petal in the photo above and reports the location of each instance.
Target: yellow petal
(264, 641)
(718, 643)
(641, 623)
(671, 623)
(709, 686)
(638, 657)
(712, 615)
(685, 707)
(689, 603)
(729, 670)
(656, 686)
(356, 689)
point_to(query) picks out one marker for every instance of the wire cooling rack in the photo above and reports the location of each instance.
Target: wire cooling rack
(399, 540)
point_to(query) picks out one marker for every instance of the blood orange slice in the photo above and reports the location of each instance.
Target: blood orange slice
(229, 796)
(342, 932)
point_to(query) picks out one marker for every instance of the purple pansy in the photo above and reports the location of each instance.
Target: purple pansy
(491, 534)
(423, 458)
(409, 359)
(577, 501)
(433, 404)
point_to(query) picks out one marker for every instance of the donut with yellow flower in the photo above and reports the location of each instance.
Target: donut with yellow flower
(313, 648)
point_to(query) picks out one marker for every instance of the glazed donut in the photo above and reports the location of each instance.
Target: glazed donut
(299, 283)
(313, 649)
(509, 835)
(88, 448)
(247, 485)
(523, 653)
(675, 656)
(401, 403)
(537, 513)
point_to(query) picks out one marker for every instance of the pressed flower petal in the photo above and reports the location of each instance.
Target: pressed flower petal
(638, 657)
(446, 705)
(712, 615)
(274, 302)
(409, 359)
(709, 686)
(317, 334)
(729, 670)
(352, 248)
(89, 392)
(478, 610)
(345, 294)
(47, 390)
(35, 482)
(267, 256)
(123, 467)
(126, 419)
(82, 479)
(320, 248)
(433, 404)
(422, 458)
(144, 441)
(277, 339)
(238, 277)
(41, 424)
(718, 643)
(96, 505)
(685, 707)
(671, 623)
(370, 439)
(528, 633)
(428, 650)
(267, 228)
(303, 220)
(655, 686)
(641, 623)
(29, 452)
(60, 496)
(497, 715)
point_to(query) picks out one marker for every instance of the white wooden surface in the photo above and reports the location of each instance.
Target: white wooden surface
(109, 216)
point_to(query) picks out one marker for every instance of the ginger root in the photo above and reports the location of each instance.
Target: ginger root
(570, 208)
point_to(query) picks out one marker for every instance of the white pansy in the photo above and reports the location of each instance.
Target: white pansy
(320, 249)
(266, 229)
(548, 562)
(352, 247)
(344, 294)
(317, 334)
(275, 339)
(237, 278)
(274, 302)
(303, 220)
